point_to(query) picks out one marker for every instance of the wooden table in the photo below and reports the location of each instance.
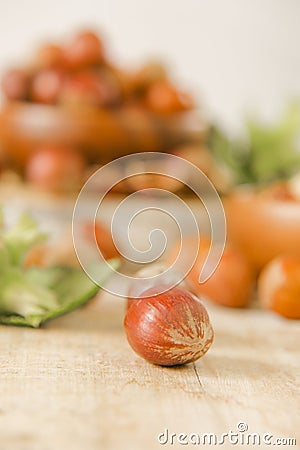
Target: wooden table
(76, 384)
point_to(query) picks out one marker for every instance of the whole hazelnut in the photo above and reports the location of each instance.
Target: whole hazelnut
(49, 56)
(232, 278)
(46, 86)
(56, 168)
(168, 327)
(279, 286)
(85, 49)
(14, 84)
(163, 98)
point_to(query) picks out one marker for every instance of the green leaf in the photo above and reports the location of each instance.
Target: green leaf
(268, 153)
(21, 238)
(31, 297)
(19, 295)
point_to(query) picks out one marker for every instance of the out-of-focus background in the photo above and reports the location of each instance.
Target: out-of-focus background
(237, 56)
(165, 83)
(215, 83)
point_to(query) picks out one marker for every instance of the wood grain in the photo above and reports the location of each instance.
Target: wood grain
(76, 383)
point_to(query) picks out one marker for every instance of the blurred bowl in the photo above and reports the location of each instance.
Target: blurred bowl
(101, 134)
(262, 227)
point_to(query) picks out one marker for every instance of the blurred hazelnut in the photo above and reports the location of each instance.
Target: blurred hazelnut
(46, 86)
(279, 286)
(164, 98)
(49, 56)
(56, 168)
(14, 84)
(83, 50)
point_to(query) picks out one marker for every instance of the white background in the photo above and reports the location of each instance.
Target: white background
(236, 55)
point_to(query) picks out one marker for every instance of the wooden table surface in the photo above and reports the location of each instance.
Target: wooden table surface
(76, 384)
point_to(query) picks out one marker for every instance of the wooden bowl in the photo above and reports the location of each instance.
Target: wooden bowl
(101, 134)
(261, 227)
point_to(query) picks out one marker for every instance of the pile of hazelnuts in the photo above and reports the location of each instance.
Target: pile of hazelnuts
(80, 73)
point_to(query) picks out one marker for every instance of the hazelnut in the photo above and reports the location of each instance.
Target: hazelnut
(163, 98)
(85, 49)
(168, 328)
(14, 84)
(56, 168)
(231, 284)
(46, 86)
(99, 232)
(49, 56)
(279, 286)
